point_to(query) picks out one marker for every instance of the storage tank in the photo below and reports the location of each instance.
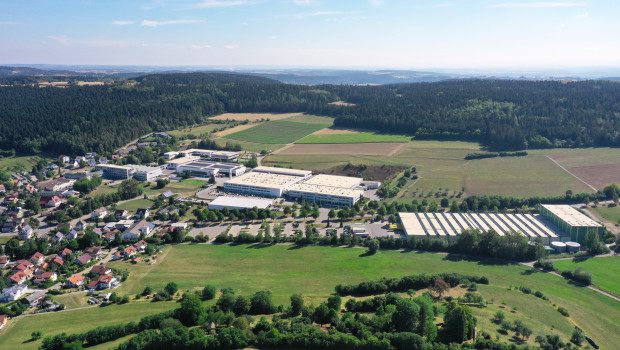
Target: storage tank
(560, 247)
(573, 247)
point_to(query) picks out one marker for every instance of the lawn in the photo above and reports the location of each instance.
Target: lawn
(314, 271)
(187, 187)
(605, 271)
(135, 204)
(611, 214)
(17, 334)
(277, 132)
(355, 137)
(103, 189)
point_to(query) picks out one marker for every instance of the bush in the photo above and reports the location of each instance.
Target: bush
(582, 276)
(578, 337)
(563, 311)
(208, 292)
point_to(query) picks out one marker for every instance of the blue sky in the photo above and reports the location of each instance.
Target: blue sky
(415, 34)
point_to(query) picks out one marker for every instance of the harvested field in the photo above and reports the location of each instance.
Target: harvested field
(371, 172)
(336, 130)
(370, 149)
(252, 117)
(598, 175)
(342, 103)
(234, 130)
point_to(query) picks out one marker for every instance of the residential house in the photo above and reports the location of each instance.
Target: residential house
(106, 281)
(53, 202)
(72, 235)
(58, 237)
(123, 224)
(21, 277)
(13, 293)
(117, 256)
(103, 160)
(142, 213)
(10, 225)
(3, 320)
(109, 236)
(65, 252)
(25, 233)
(121, 214)
(90, 154)
(58, 260)
(22, 265)
(98, 231)
(115, 156)
(179, 226)
(91, 161)
(140, 245)
(84, 259)
(141, 227)
(79, 226)
(101, 270)
(162, 135)
(129, 251)
(10, 199)
(4, 260)
(2, 188)
(92, 285)
(167, 194)
(63, 158)
(15, 212)
(75, 281)
(30, 188)
(46, 276)
(35, 298)
(37, 259)
(99, 213)
(94, 251)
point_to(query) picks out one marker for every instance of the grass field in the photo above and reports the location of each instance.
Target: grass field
(312, 119)
(354, 138)
(252, 117)
(103, 189)
(17, 334)
(314, 271)
(605, 271)
(195, 130)
(135, 204)
(16, 164)
(611, 214)
(185, 187)
(277, 131)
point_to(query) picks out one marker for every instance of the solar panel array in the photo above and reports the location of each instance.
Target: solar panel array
(449, 225)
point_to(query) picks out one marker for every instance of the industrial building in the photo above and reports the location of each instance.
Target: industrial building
(334, 181)
(449, 225)
(262, 184)
(239, 203)
(115, 172)
(571, 221)
(174, 163)
(219, 156)
(328, 196)
(146, 173)
(203, 168)
(283, 171)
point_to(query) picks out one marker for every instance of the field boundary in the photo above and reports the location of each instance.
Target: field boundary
(573, 175)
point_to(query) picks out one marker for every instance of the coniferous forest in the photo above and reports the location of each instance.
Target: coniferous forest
(500, 114)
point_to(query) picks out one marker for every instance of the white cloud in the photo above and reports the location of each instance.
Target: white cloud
(542, 4)
(230, 47)
(329, 13)
(123, 23)
(273, 37)
(10, 23)
(221, 3)
(147, 23)
(584, 15)
(101, 43)
(305, 2)
(198, 47)
(377, 3)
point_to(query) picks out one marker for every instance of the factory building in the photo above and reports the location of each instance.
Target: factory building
(203, 168)
(218, 156)
(571, 221)
(262, 184)
(239, 203)
(328, 196)
(283, 171)
(146, 173)
(174, 163)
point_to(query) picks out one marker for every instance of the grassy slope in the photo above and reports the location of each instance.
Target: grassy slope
(15, 164)
(611, 214)
(195, 130)
(18, 331)
(135, 204)
(277, 132)
(353, 138)
(286, 270)
(605, 271)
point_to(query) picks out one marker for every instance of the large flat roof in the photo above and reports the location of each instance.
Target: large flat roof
(265, 180)
(182, 160)
(328, 190)
(334, 181)
(283, 171)
(204, 164)
(571, 215)
(241, 202)
(144, 169)
(113, 166)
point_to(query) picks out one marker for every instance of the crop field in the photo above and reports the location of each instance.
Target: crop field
(277, 131)
(17, 334)
(598, 175)
(252, 117)
(284, 269)
(370, 149)
(352, 137)
(605, 271)
(234, 129)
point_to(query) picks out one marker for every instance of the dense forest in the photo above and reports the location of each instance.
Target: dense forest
(503, 115)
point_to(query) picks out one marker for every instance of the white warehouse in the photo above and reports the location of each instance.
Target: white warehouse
(262, 184)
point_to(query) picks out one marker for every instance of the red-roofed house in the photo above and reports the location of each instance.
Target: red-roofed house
(106, 281)
(37, 258)
(92, 285)
(117, 256)
(46, 276)
(93, 251)
(4, 260)
(3, 320)
(101, 270)
(65, 252)
(84, 259)
(140, 245)
(75, 281)
(58, 260)
(129, 251)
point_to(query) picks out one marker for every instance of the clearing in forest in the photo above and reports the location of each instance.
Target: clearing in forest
(276, 132)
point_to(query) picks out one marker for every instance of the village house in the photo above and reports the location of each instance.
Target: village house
(4, 261)
(140, 245)
(121, 214)
(25, 233)
(46, 276)
(30, 188)
(99, 213)
(75, 281)
(129, 251)
(72, 235)
(65, 252)
(142, 213)
(35, 298)
(58, 237)
(84, 259)
(93, 251)
(79, 226)
(37, 259)
(140, 227)
(50, 201)
(13, 293)
(101, 270)
(109, 236)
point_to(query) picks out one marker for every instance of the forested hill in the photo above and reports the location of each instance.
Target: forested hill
(501, 114)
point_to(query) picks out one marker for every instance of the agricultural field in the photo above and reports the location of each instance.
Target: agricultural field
(605, 271)
(17, 164)
(351, 137)
(369, 149)
(277, 131)
(17, 334)
(284, 270)
(253, 117)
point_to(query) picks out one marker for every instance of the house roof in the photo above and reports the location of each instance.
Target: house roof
(37, 256)
(75, 279)
(84, 259)
(100, 269)
(66, 251)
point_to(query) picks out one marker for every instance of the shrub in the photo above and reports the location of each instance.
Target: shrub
(582, 276)
(208, 292)
(563, 311)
